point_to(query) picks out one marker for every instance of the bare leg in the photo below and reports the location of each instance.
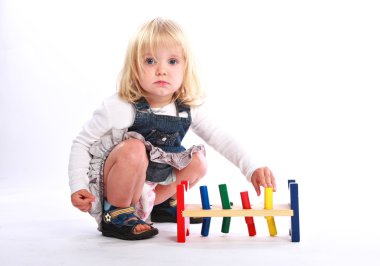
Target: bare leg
(124, 175)
(192, 173)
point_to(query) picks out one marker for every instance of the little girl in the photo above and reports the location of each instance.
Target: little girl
(129, 156)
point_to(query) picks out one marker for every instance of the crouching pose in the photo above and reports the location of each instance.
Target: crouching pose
(126, 162)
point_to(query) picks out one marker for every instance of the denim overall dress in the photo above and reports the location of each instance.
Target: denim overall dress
(162, 136)
(162, 131)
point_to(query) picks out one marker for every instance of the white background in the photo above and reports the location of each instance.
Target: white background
(297, 81)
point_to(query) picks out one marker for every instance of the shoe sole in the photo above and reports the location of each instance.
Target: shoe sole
(144, 235)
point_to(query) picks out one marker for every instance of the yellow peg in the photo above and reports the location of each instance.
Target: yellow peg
(268, 198)
(268, 205)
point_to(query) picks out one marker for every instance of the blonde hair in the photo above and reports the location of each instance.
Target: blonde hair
(158, 33)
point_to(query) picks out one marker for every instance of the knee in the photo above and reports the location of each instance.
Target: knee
(199, 163)
(132, 151)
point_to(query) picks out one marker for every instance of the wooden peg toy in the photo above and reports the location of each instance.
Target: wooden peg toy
(183, 223)
(185, 211)
(294, 205)
(226, 206)
(268, 205)
(248, 219)
(205, 206)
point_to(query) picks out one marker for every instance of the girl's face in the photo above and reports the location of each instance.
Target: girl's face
(162, 75)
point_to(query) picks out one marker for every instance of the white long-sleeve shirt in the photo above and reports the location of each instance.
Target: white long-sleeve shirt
(115, 113)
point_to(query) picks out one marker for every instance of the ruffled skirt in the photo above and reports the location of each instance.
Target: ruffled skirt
(100, 151)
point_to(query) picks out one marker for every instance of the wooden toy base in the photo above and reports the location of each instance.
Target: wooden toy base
(185, 211)
(195, 210)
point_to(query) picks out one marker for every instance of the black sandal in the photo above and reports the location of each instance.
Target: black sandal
(121, 223)
(166, 212)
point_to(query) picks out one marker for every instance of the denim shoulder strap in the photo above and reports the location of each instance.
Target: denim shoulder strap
(141, 105)
(182, 108)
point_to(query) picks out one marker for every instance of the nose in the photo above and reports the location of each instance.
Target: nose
(160, 71)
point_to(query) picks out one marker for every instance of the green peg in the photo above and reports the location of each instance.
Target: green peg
(226, 205)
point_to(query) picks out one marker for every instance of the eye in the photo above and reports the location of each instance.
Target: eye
(173, 61)
(150, 61)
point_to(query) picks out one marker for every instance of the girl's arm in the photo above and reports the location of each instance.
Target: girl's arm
(80, 157)
(114, 113)
(231, 149)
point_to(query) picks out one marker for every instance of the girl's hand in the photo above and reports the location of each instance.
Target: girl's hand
(263, 177)
(82, 200)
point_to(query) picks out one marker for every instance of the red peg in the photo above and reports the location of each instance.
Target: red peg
(248, 220)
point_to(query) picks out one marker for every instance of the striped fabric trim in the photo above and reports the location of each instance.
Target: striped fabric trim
(117, 212)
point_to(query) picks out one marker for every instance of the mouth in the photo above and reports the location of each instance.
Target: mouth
(161, 83)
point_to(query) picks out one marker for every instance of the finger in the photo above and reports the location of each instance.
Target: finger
(86, 194)
(261, 178)
(75, 197)
(274, 183)
(268, 177)
(256, 186)
(78, 202)
(88, 200)
(89, 195)
(80, 205)
(85, 208)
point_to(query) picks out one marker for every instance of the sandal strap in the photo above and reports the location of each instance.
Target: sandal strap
(130, 219)
(117, 212)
